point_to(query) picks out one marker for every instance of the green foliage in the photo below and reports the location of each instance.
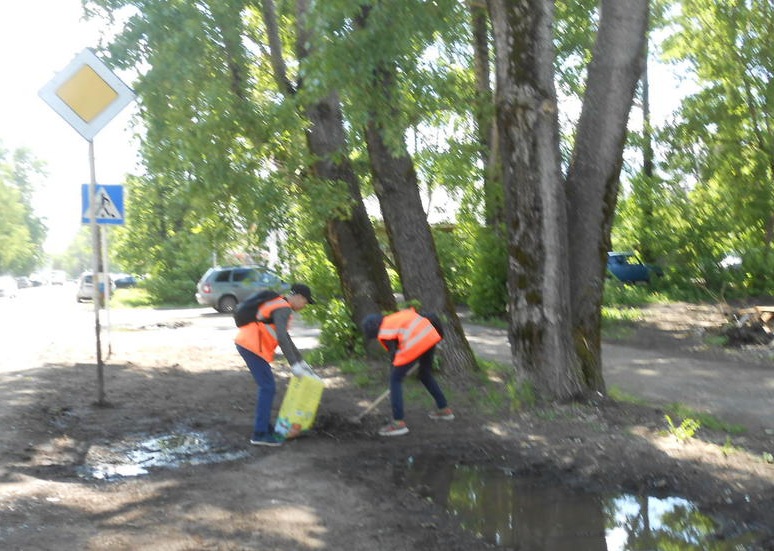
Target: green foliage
(339, 336)
(685, 431)
(619, 294)
(136, 297)
(488, 291)
(454, 253)
(21, 232)
(511, 393)
(714, 195)
(704, 419)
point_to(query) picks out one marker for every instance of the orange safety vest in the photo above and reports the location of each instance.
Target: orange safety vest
(414, 333)
(260, 337)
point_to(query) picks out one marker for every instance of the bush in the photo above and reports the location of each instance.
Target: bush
(340, 338)
(170, 290)
(488, 294)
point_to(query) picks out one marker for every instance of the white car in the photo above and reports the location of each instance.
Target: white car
(86, 287)
(8, 286)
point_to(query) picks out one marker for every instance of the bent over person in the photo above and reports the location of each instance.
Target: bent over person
(409, 337)
(257, 342)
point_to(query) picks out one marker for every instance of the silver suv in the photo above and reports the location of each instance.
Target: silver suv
(225, 287)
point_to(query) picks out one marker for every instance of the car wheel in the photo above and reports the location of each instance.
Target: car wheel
(227, 304)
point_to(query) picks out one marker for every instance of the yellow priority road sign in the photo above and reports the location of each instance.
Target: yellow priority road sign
(87, 94)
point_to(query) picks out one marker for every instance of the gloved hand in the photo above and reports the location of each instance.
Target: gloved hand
(303, 369)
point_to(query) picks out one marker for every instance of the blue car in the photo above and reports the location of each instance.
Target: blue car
(627, 268)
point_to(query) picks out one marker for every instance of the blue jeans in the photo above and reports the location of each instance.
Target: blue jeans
(425, 375)
(264, 378)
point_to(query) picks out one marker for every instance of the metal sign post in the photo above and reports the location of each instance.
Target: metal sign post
(87, 94)
(95, 294)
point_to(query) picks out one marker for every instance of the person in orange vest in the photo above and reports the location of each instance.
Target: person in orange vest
(256, 342)
(409, 337)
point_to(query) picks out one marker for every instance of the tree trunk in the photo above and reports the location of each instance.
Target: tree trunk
(535, 207)
(405, 220)
(412, 244)
(486, 126)
(355, 249)
(592, 180)
(352, 240)
(643, 187)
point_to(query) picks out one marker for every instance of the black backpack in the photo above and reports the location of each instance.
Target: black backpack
(246, 311)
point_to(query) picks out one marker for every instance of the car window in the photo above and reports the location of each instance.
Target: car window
(242, 274)
(223, 276)
(268, 279)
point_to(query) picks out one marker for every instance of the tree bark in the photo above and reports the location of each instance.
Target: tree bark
(352, 240)
(535, 205)
(355, 249)
(486, 126)
(411, 241)
(405, 220)
(592, 180)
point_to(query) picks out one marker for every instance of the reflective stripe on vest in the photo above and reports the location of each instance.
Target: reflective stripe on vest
(414, 333)
(267, 309)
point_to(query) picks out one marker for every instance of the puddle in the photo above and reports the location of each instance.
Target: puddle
(139, 455)
(518, 513)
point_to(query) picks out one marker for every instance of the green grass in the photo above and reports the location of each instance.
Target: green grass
(618, 322)
(706, 420)
(681, 412)
(619, 395)
(719, 341)
(133, 297)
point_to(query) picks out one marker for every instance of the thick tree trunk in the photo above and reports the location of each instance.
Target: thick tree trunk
(355, 249)
(592, 180)
(539, 306)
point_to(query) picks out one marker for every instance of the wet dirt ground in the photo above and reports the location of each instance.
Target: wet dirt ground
(341, 486)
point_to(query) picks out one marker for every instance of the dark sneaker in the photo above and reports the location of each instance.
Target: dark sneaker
(445, 414)
(396, 428)
(266, 440)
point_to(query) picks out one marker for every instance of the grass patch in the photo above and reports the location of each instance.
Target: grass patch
(495, 323)
(618, 322)
(706, 420)
(498, 390)
(719, 341)
(619, 294)
(620, 396)
(133, 297)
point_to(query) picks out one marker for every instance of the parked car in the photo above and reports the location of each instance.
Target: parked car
(86, 286)
(223, 288)
(124, 281)
(8, 286)
(626, 267)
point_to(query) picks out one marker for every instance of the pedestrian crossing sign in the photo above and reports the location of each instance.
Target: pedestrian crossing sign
(109, 201)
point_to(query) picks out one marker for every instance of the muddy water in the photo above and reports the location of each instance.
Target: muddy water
(138, 455)
(517, 513)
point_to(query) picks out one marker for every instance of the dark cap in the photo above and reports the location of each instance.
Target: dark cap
(371, 324)
(303, 290)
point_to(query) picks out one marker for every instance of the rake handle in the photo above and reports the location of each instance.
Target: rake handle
(382, 396)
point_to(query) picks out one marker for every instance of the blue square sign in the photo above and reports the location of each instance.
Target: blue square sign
(109, 202)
